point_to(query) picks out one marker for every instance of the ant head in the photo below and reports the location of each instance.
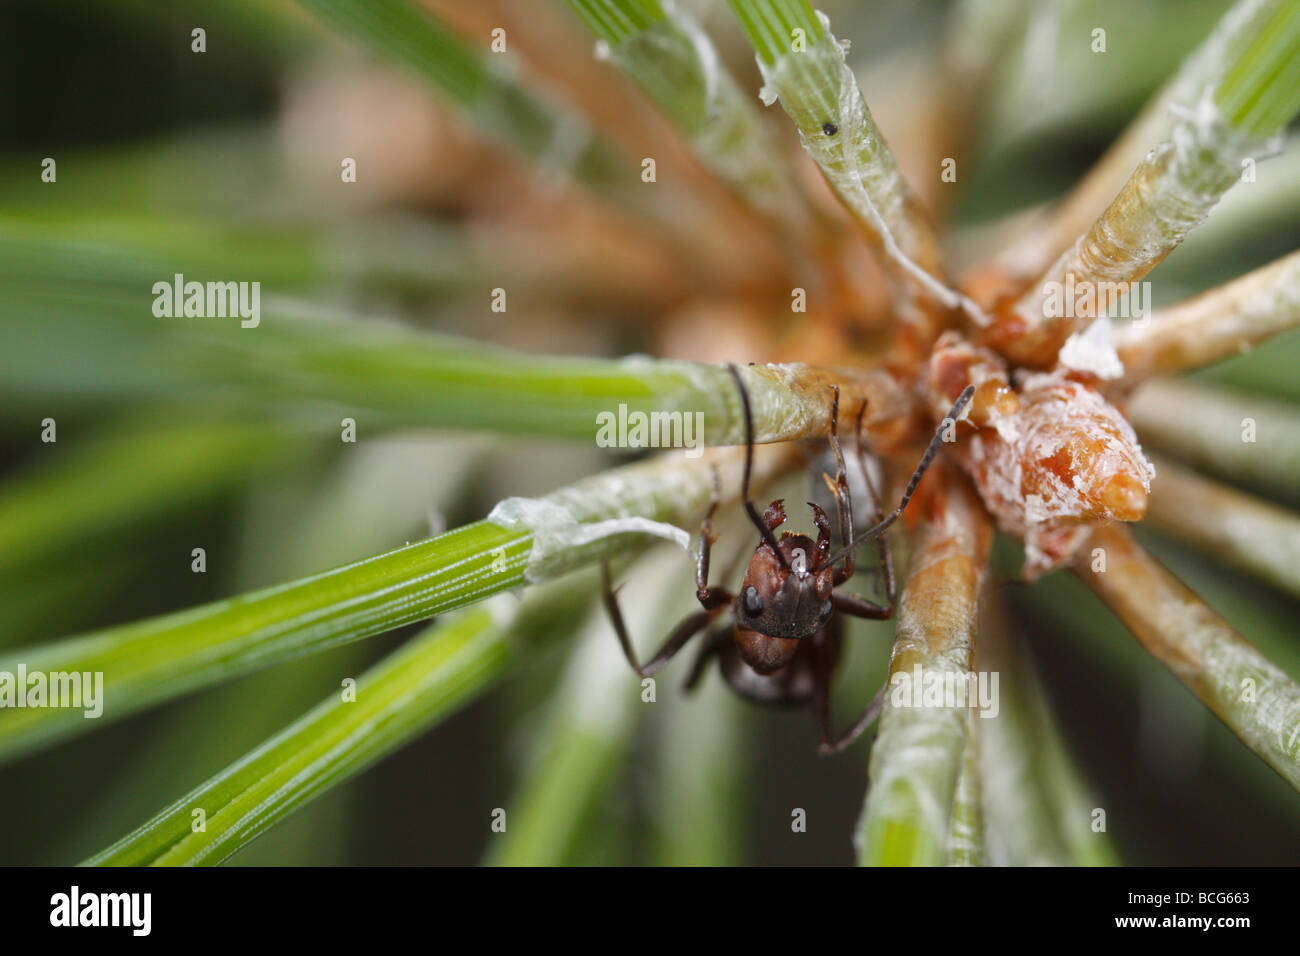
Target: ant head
(787, 599)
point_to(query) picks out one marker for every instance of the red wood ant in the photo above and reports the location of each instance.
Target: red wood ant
(785, 638)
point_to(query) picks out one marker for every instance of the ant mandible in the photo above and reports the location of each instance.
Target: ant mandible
(785, 640)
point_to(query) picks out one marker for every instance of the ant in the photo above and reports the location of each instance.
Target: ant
(785, 638)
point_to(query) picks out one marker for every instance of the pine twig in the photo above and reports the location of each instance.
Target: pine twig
(1230, 526)
(804, 67)
(1032, 254)
(1169, 194)
(918, 754)
(523, 541)
(1247, 438)
(1253, 697)
(1214, 325)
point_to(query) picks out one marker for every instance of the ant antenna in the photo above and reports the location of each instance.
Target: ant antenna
(935, 444)
(764, 531)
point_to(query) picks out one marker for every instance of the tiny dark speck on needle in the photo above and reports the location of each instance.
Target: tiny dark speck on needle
(830, 129)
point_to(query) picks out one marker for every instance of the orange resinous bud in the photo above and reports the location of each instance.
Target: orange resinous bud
(954, 364)
(1049, 459)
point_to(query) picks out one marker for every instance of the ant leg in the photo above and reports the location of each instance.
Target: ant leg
(840, 489)
(886, 559)
(763, 530)
(856, 606)
(887, 572)
(823, 648)
(707, 652)
(871, 712)
(821, 671)
(733, 563)
(876, 530)
(710, 598)
(676, 640)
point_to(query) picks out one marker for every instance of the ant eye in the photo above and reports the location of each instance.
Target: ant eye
(753, 603)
